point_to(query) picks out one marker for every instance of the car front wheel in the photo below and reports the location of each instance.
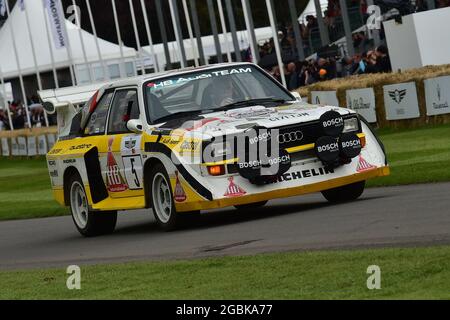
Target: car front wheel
(163, 202)
(346, 193)
(88, 223)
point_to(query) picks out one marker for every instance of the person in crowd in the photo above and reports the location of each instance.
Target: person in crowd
(276, 73)
(329, 67)
(4, 124)
(311, 22)
(18, 114)
(37, 116)
(383, 63)
(333, 11)
(293, 76)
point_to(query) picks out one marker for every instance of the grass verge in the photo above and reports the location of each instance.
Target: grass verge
(25, 190)
(408, 273)
(415, 156)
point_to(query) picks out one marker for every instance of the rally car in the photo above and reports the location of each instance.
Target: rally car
(202, 138)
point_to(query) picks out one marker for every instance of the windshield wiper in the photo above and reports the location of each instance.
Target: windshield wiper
(177, 115)
(249, 103)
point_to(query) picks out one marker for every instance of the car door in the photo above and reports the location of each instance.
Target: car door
(123, 165)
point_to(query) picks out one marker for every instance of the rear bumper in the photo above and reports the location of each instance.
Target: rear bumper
(284, 192)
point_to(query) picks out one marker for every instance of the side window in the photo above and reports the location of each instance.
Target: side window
(124, 108)
(97, 121)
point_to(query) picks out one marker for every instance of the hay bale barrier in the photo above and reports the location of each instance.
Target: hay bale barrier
(377, 81)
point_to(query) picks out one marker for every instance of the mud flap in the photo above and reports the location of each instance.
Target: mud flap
(94, 173)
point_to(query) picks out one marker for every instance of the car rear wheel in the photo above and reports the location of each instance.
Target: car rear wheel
(88, 223)
(250, 206)
(345, 193)
(163, 202)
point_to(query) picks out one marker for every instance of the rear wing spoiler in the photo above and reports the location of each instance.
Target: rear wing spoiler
(64, 102)
(63, 97)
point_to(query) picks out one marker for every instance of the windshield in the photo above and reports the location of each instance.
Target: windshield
(206, 91)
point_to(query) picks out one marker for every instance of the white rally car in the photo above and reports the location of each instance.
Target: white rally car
(196, 139)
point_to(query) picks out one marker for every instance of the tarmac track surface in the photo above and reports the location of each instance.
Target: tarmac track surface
(392, 216)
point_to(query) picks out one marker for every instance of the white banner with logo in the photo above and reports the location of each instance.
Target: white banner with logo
(51, 140)
(57, 22)
(42, 145)
(14, 147)
(437, 95)
(325, 97)
(363, 102)
(22, 144)
(31, 145)
(5, 147)
(400, 101)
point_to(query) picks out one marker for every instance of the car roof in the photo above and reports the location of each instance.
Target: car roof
(148, 77)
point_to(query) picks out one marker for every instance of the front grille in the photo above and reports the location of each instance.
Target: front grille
(303, 155)
(291, 136)
(296, 135)
(310, 132)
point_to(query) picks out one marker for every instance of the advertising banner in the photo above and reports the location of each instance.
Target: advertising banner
(42, 145)
(5, 147)
(363, 102)
(51, 140)
(400, 101)
(14, 147)
(57, 23)
(437, 95)
(22, 145)
(325, 97)
(31, 145)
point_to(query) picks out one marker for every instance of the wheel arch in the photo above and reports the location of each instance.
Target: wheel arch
(148, 165)
(69, 172)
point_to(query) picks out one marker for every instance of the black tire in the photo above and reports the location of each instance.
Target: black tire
(96, 223)
(346, 193)
(168, 221)
(250, 206)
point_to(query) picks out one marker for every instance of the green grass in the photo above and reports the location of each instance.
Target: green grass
(25, 190)
(415, 155)
(412, 273)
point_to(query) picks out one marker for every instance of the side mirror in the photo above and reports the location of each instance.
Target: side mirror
(135, 125)
(49, 107)
(297, 96)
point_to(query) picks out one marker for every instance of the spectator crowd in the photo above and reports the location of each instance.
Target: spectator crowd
(19, 115)
(333, 63)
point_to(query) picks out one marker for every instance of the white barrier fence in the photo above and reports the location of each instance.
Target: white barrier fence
(27, 145)
(400, 99)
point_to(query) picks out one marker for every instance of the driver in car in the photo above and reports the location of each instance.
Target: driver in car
(220, 92)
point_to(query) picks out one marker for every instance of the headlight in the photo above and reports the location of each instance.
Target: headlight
(351, 125)
(221, 149)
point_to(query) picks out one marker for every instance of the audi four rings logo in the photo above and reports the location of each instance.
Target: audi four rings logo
(290, 137)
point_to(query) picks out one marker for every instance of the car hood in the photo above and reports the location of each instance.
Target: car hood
(235, 120)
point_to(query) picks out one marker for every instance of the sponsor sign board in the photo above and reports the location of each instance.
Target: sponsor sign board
(22, 144)
(5, 147)
(324, 97)
(31, 145)
(14, 147)
(437, 95)
(400, 101)
(42, 145)
(363, 102)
